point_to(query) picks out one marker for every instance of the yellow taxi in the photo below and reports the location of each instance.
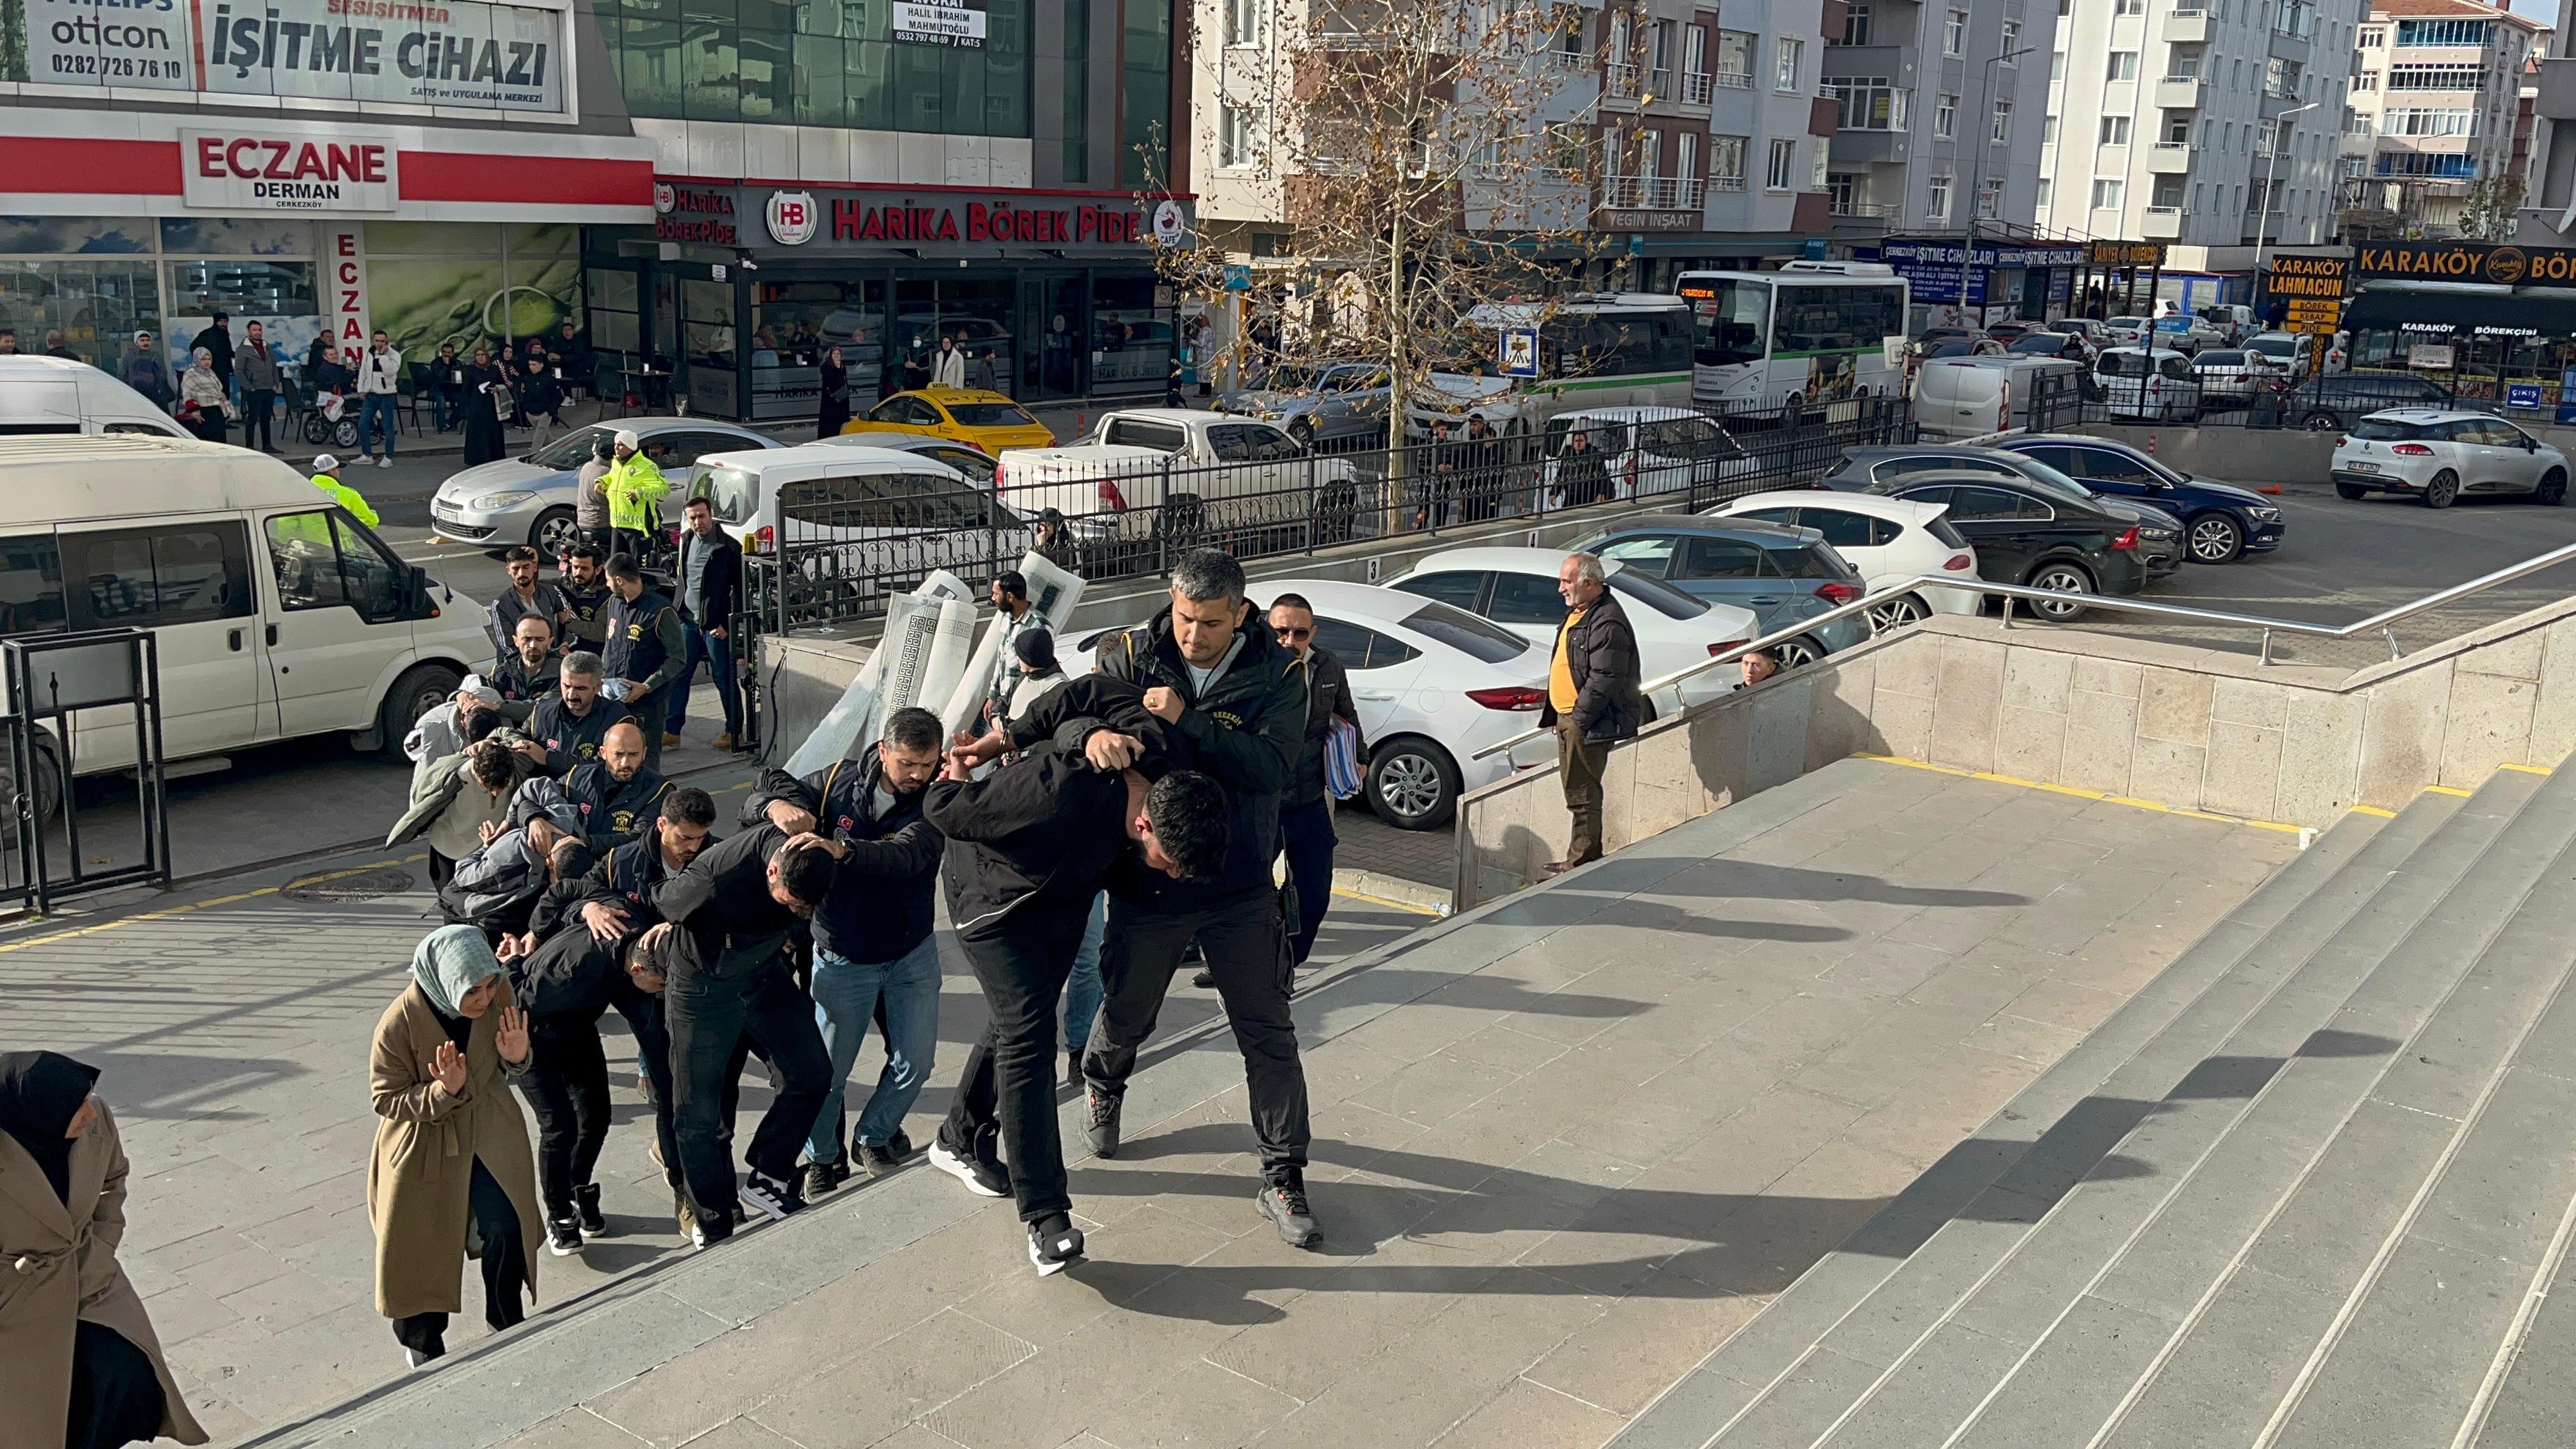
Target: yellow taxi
(989, 421)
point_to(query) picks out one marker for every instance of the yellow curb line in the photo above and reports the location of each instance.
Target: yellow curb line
(2447, 790)
(2105, 797)
(2374, 810)
(2524, 769)
(1419, 910)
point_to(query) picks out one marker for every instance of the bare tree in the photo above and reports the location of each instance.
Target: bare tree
(2488, 213)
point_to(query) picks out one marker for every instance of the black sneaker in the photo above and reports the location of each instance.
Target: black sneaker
(770, 1197)
(1203, 980)
(822, 1177)
(563, 1236)
(983, 1176)
(876, 1159)
(585, 1200)
(1055, 1244)
(1284, 1203)
(1100, 1123)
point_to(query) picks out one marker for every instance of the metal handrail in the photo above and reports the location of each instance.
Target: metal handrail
(2383, 622)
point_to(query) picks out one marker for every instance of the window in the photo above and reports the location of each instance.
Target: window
(1243, 21)
(1792, 60)
(1835, 319)
(1566, 146)
(2372, 38)
(1936, 199)
(2011, 42)
(1686, 160)
(2115, 131)
(2048, 130)
(2168, 192)
(1726, 162)
(1525, 599)
(2000, 133)
(1735, 59)
(1464, 632)
(1720, 558)
(1076, 159)
(2123, 66)
(1653, 555)
(2129, 7)
(1782, 172)
(1987, 504)
(1655, 594)
(1459, 590)
(1821, 154)
(2441, 32)
(1238, 142)
(2434, 77)
(1869, 103)
(1144, 91)
(1856, 24)
(2044, 191)
(2056, 66)
(324, 560)
(1695, 52)
(31, 585)
(2413, 122)
(1954, 34)
(1945, 117)
(2177, 128)
(2107, 194)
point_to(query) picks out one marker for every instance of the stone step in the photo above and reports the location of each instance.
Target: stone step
(2048, 1122)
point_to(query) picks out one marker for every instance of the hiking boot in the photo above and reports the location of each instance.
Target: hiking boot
(563, 1236)
(1055, 1244)
(822, 1177)
(876, 1159)
(724, 741)
(770, 1197)
(1100, 1123)
(982, 1175)
(687, 1217)
(1284, 1203)
(585, 1201)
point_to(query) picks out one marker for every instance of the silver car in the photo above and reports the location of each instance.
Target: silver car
(1329, 404)
(512, 501)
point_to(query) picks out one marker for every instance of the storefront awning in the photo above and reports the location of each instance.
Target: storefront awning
(2390, 308)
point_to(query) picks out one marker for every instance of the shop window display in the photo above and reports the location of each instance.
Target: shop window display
(471, 284)
(795, 323)
(1131, 335)
(975, 314)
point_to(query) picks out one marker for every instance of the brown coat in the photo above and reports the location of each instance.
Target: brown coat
(423, 1170)
(57, 1267)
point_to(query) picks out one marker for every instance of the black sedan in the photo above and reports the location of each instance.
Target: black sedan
(1867, 469)
(2220, 521)
(2335, 401)
(2041, 537)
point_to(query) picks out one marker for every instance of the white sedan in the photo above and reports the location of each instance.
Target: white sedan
(2436, 454)
(2154, 385)
(1886, 539)
(1433, 685)
(1516, 588)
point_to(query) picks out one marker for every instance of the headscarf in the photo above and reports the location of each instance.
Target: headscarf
(1036, 649)
(201, 360)
(448, 963)
(40, 1093)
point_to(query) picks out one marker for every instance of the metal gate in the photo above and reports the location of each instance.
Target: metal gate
(95, 673)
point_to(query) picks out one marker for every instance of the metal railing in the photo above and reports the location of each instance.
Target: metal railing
(1735, 80)
(2064, 401)
(2383, 622)
(1697, 87)
(1653, 193)
(1624, 78)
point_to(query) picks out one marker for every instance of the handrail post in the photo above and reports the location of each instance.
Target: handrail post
(2394, 653)
(2267, 646)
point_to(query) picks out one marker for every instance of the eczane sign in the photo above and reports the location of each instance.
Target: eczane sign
(350, 170)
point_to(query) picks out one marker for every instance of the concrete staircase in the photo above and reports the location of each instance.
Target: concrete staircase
(2313, 1186)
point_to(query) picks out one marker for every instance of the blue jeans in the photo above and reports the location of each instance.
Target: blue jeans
(374, 408)
(718, 654)
(449, 409)
(845, 1001)
(1082, 991)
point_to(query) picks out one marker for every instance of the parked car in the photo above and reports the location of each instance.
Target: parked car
(1328, 405)
(1651, 450)
(1152, 479)
(2092, 329)
(2185, 333)
(2008, 333)
(974, 462)
(1783, 573)
(529, 500)
(2039, 537)
(2068, 345)
(2125, 331)
(2220, 521)
(2151, 385)
(1969, 397)
(2335, 401)
(1885, 539)
(1516, 588)
(2437, 455)
(986, 421)
(1932, 337)
(1877, 469)
(2288, 349)
(858, 522)
(2235, 321)
(2230, 376)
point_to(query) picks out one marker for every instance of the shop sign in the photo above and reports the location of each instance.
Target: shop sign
(1169, 225)
(1989, 254)
(346, 250)
(82, 43)
(855, 218)
(2502, 266)
(958, 23)
(342, 170)
(696, 214)
(2126, 254)
(2429, 355)
(792, 217)
(1625, 219)
(2522, 395)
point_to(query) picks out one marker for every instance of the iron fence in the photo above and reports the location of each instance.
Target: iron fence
(2332, 402)
(846, 549)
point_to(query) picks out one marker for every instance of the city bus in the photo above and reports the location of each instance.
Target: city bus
(1784, 341)
(1595, 350)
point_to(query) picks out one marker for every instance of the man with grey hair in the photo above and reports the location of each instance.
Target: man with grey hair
(1592, 697)
(571, 724)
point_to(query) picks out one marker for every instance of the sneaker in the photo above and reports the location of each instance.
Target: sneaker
(563, 1236)
(772, 1198)
(876, 1159)
(1203, 980)
(1055, 1244)
(1284, 1203)
(982, 1176)
(585, 1200)
(1100, 1124)
(688, 1220)
(822, 1177)
(386, 461)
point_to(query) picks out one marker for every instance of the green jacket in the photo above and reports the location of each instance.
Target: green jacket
(347, 497)
(633, 486)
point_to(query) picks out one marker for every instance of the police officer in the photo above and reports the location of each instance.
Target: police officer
(648, 646)
(603, 803)
(567, 728)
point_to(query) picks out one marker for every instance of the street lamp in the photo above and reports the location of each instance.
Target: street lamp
(2263, 227)
(1976, 172)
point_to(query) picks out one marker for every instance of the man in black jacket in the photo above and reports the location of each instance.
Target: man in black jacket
(1592, 698)
(872, 932)
(1582, 473)
(1029, 846)
(604, 803)
(1306, 811)
(648, 646)
(570, 725)
(710, 588)
(530, 671)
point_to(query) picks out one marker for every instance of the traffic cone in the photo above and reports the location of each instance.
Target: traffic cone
(2272, 488)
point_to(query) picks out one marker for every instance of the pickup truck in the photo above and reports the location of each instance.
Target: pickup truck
(1151, 481)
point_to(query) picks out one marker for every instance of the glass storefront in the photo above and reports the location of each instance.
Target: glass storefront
(829, 64)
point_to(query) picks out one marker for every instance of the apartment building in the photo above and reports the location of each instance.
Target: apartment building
(1941, 113)
(2548, 215)
(2210, 124)
(2434, 109)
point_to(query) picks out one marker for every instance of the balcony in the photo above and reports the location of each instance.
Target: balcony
(2161, 223)
(1622, 80)
(2179, 93)
(1697, 87)
(2186, 27)
(1733, 80)
(1653, 193)
(1726, 183)
(2170, 158)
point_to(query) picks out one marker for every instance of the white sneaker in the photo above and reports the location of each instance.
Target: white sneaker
(385, 462)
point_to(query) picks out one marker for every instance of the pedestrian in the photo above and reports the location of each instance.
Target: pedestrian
(604, 803)
(447, 387)
(635, 487)
(8, 341)
(203, 402)
(526, 597)
(590, 498)
(379, 383)
(1203, 355)
(1482, 486)
(648, 647)
(541, 402)
(1592, 698)
(585, 591)
(570, 727)
(710, 592)
(1582, 475)
(873, 946)
(145, 372)
(441, 729)
(980, 372)
(452, 1176)
(833, 410)
(563, 981)
(1012, 613)
(1029, 848)
(1053, 541)
(217, 340)
(531, 672)
(488, 401)
(948, 369)
(255, 368)
(460, 802)
(1306, 810)
(496, 887)
(1438, 464)
(725, 924)
(573, 354)
(79, 1363)
(326, 476)
(55, 346)
(1034, 675)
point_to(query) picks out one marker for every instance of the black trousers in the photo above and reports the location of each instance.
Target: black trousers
(1009, 1081)
(709, 1013)
(1306, 834)
(567, 1087)
(259, 410)
(495, 1223)
(643, 1013)
(1241, 940)
(116, 1398)
(441, 871)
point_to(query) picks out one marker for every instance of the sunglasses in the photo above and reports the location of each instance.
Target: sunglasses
(1295, 633)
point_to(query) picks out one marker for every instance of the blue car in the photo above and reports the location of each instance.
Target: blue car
(2221, 522)
(1781, 574)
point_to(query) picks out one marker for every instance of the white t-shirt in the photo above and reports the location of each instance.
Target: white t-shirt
(1202, 679)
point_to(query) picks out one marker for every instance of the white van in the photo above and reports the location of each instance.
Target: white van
(858, 521)
(276, 615)
(1969, 397)
(58, 395)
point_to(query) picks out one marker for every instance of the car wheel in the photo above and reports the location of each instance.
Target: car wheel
(2216, 539)
(1798, 652)
(2443, 490)
(422, 688)
(48, 786)
(1896, 613)
(1302, 433)
(2323, 423)
(555, 531)
(1412, 783)
(2553, 488)
(2348, 490)
(2060, 577)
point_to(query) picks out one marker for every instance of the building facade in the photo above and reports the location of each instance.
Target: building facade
(1941, 114)
(2435, 113)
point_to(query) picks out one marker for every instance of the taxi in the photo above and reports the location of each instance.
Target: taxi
(988, 421)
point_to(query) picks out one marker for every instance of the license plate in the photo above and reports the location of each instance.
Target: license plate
(2361, 467)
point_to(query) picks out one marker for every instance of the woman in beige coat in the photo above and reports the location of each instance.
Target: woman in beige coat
(453, 1176)
(79, 1365)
